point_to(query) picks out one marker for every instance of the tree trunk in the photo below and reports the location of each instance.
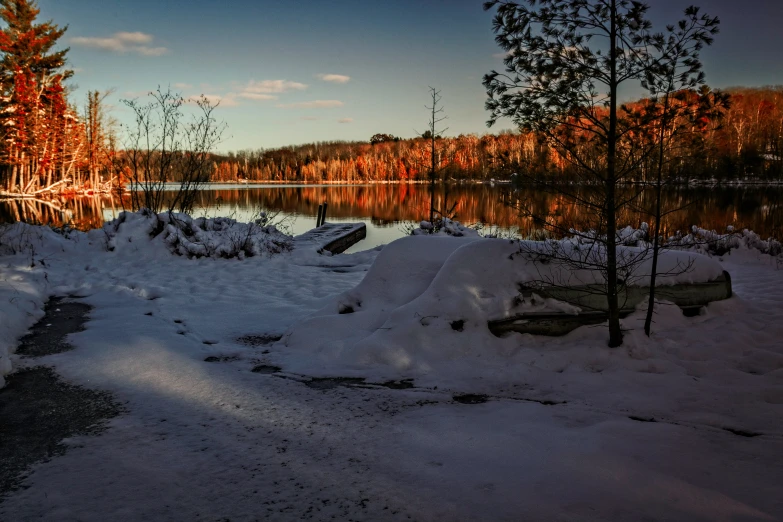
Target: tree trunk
(657, 230)
(615, 333)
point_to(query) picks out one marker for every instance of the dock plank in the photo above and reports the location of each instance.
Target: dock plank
(334, 238)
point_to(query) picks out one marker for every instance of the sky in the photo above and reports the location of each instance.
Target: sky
(289, 72)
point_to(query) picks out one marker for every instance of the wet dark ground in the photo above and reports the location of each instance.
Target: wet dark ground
(37, 408)
(48, 336)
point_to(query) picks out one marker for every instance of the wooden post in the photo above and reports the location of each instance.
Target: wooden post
(318, 219)
(323, 216)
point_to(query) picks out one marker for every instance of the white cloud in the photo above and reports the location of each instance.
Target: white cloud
(310, 118)
(345, 120)
(334, 78)
(316, 104)
(256, 96)
(151, 51)
(238, 93)
(134, 38)
(122, 42)
(215, 99)
(273, 86)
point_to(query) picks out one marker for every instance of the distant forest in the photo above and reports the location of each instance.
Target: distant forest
(51, 144)
(745, 142)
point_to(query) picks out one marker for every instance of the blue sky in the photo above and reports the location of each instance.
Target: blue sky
(298, 71)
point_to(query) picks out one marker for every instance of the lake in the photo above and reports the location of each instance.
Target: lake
(388, 209)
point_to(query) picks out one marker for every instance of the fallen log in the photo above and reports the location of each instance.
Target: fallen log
(591, 299)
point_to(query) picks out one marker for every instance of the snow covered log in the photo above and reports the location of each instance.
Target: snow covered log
(690, 297)
(431, 301)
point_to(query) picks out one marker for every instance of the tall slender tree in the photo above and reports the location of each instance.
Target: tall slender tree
(31, 91)
(432, 134)
(99, 136)
(566, 62)
(671, 84)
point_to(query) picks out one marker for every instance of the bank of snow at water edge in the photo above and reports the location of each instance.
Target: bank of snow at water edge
(170, 259)
(421, 312)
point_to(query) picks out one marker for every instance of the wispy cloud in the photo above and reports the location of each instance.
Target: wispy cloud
(215, 99)
(273, 86)
(310, 118)
(257, 96)
(345, 120)
(122, 42)
(334, 78)
(502, 55)
(237, 93)
(316, 104)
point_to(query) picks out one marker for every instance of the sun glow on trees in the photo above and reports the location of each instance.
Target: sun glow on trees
(46, 146)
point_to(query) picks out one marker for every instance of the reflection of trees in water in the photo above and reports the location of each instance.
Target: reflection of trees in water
(78, 212)
(384, 204)
(758, 209)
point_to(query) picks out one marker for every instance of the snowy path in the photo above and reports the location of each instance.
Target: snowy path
(212, 441)
(215, 441)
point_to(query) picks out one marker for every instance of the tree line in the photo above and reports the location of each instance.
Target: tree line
(744, 141)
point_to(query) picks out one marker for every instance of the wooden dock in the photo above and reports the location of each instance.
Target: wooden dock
(334, 238)
(689, 297)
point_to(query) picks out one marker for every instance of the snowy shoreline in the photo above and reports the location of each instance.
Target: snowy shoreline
(682, 426)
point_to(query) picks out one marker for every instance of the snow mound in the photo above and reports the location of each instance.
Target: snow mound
(712, 242)
(220, 237)
(444, 227)
(425, 303)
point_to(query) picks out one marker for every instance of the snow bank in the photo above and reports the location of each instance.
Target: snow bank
(444, 227)
(701, 240)
(26, 253)
(37, 262)
(425, 303)
(712, 242)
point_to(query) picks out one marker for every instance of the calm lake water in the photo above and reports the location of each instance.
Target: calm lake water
(388, 208)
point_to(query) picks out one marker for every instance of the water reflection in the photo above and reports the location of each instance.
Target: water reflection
(385, 207)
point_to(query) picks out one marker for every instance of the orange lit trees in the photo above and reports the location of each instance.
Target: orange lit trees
(99, 139)
(33, 109)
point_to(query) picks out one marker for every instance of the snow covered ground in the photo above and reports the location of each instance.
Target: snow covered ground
(687, 425)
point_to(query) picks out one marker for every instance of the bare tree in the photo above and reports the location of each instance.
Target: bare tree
(99, 130)
(437, 154)
(166, 146)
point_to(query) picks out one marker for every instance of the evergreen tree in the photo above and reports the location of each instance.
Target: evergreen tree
(26, 45)
(32, 95)
(565, 64)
